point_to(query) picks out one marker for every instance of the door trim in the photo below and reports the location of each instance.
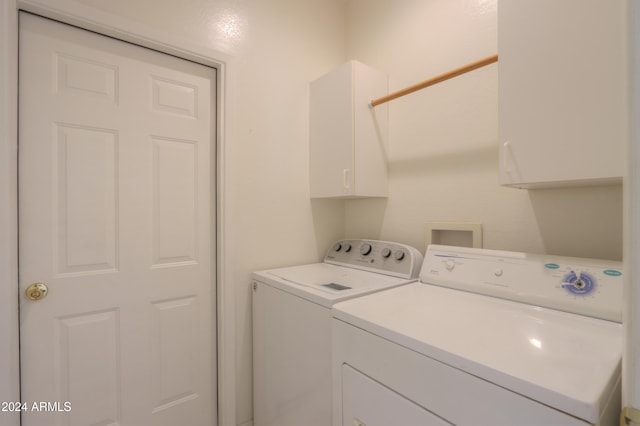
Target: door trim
(81, 16)
(9, 323)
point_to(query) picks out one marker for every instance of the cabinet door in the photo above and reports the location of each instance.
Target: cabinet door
(563, 82)
(370, 131)
(331, 134)
(347, 155)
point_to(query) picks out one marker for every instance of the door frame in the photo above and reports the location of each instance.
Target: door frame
(84, 17)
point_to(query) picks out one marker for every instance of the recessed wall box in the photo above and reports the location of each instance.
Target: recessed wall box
(461, 234)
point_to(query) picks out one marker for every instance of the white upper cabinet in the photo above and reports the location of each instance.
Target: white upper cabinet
(562, 92)
(347, 138)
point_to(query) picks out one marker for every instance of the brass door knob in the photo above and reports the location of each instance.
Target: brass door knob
(36, 291)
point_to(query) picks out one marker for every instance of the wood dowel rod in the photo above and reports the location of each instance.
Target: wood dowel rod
(435, 80)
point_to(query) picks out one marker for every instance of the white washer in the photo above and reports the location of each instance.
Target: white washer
(484, 338)
(292, 325)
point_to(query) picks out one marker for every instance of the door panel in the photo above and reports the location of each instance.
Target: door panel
(174, 201)
(86, 199)
(88, 342)
(116, 214)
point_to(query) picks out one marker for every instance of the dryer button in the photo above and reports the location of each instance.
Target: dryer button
(450, 264)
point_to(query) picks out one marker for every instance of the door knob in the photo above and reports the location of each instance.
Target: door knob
(36, 291)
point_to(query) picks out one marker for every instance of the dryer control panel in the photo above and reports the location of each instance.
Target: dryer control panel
(583, 286)
(382, 257)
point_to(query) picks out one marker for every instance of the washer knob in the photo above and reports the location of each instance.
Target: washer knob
(337, 247)
(365, 249)
(450, 264)
(386, 252)
(579, 283)
(347, 247)
(399, 255)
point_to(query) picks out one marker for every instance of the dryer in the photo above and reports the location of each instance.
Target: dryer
(292, 324)
(484, 338)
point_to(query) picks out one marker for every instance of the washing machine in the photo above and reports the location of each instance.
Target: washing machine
(483, 338)
(292, 325)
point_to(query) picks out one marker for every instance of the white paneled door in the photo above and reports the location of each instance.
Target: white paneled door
(116, 188)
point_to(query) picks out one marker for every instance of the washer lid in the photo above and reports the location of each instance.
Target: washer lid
(326, 284)
(566, 361)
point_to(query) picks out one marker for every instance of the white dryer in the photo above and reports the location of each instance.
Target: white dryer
(292, 325)
(484, 338)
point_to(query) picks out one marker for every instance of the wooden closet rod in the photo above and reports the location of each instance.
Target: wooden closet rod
(435, 80)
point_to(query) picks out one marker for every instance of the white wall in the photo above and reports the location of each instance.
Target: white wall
(272, 49)
(444, 139)
(275, 224)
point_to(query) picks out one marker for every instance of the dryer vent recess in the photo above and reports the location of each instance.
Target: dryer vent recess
(460, 234)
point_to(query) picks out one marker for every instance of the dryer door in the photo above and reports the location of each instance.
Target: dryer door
(366, 402)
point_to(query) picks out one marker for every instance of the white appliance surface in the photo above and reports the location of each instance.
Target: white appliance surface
(565, 360)
(381, 404)
(292, 325)
(351, 268)
(313, 282)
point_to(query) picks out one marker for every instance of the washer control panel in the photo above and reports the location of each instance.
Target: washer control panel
(383, 257)
(584, 286)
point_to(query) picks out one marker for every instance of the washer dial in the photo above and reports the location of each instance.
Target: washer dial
(579, 283)
(365, 249)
